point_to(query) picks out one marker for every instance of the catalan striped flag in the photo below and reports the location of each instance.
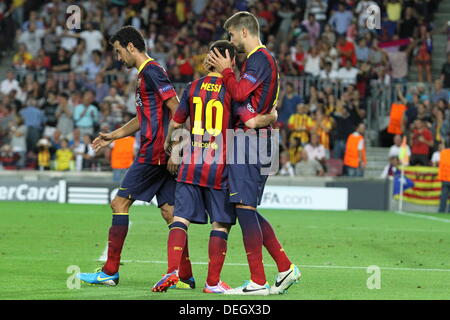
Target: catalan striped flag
(427, 187)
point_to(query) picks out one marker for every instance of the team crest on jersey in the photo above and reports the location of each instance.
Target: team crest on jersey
(250, 108)
(138, 99)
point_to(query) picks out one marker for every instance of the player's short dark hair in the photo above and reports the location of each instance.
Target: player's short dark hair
(223, 45)
(243, 19)
(128, 34)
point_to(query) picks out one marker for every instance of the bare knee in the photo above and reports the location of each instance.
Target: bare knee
(167, 213)
(120, 205)
(224, 227)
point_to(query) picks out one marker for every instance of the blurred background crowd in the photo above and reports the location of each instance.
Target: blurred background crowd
(61, 87)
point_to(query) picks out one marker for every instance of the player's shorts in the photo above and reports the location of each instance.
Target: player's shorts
(196, 203)
(247, 180)
(143, 181)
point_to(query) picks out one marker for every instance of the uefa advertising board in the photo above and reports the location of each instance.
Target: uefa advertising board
(44, 191)
(274, 197)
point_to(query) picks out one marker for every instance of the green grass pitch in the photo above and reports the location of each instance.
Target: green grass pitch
(39, 241)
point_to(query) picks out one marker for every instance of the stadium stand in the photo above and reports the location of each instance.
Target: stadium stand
(335, 72)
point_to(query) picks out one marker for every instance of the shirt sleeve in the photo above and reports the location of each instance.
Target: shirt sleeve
(245, 111)
(256, 71)
(157, 78)
(182, 112)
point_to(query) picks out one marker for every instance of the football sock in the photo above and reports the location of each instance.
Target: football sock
(272, 244)
(217, 250)
(185, 271)
(175, 245)
(253, 242)
(116, 238)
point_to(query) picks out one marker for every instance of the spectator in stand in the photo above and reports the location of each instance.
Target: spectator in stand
(184, 65)
(355, 153)
(421, 142)
(83, 153)
(85, 115)
(394, 150)
(43, 157)
(308, 167)
(64, 115)
(318, 8)
(316, 150)
(391, 168)
(423, 54)
(94, 66)
(299, 124)
(313, 28)
(18, 134)
(100, 88)
(327, 74)
(61, 63)
(399, 62)
(117, 105)
(408, 23)
(439, 92)
(346, 51)
(10, 83)
(93, 39)
(289, 101)
(34, 119)
(8, 158)
(436, 157)
(321, 126)
(286, 168)
(362, 51)
(64, 157)
(294, 150)
(49, 109)
(298, 57)
(341, 19)
(312, 62)
(80, 59)
(55, 143)
(347, 74)
(22, 55)
(445, 73)
(32, 39)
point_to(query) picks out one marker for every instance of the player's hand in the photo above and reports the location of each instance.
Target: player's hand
(274, 114)
(168, 147)
(103, 140)
(172, 167)
(218, 61)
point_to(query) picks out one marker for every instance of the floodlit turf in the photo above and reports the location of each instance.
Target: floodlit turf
(38, 242)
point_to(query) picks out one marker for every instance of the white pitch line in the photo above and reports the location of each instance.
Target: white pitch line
(104, 255)
(301, 266)
(422, 216)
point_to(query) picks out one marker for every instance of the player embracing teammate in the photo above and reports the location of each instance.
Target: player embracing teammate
(258, 88)
(256, 94)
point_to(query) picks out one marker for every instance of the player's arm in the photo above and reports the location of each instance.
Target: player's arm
(105, 139)
(241, 89)
(262, 120)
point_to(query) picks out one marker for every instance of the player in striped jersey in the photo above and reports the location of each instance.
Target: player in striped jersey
(258, 87)
(202, 176)
(148, 176)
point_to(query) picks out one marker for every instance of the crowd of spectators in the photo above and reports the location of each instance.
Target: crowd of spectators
(66, 85)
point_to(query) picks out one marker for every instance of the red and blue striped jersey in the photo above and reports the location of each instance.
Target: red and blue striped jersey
(153, 88)
(258, 86)
(208, 105)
